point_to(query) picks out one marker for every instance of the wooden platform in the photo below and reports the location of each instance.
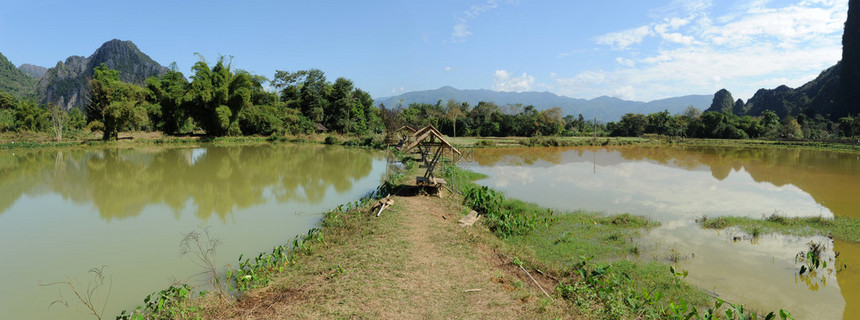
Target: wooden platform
(430, 182)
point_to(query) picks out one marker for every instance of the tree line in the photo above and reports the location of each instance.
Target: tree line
(219, 100)
(486, 119)
(215, 100)
(727, 125)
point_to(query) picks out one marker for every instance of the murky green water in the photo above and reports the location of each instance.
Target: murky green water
(64, 212)
(678, 185)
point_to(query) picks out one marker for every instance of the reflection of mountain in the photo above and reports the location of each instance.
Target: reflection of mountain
(831, 178)
(120, 182)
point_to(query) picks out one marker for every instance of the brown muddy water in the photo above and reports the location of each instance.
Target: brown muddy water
(677, 185)
(64, 212)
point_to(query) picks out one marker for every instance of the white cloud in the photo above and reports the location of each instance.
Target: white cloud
(625, 62)
(678, 38)
(625, 38)
(684, 51)
(504, 81)
(625, 92)
(448, 69)
(461, 31)
(461, 20)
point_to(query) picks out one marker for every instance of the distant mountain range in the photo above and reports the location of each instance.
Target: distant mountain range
(604, 108)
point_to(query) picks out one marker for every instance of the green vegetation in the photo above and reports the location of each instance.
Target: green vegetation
(170, 303)
(845, 228)
(504, 218)
(217, 101)
(259, 272)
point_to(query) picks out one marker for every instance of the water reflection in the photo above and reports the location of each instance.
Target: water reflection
(830, 178)
(678, 185)
(120, 183)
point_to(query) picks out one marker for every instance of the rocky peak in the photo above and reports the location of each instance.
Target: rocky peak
(33, 70)
(66, 83)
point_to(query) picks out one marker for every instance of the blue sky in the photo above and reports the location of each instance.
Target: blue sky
(638, 50)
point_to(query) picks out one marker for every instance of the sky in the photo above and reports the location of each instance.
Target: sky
(634, 50)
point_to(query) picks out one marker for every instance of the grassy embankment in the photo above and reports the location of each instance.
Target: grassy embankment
(844, 228)
(18, 140)
(650, 140)
(34, 140)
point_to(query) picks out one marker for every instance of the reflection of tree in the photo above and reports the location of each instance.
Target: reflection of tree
(518, 156)
(121, 182)
(20, 172)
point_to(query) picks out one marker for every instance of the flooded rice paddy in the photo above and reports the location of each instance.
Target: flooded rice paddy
(64, 212)
(676, 186)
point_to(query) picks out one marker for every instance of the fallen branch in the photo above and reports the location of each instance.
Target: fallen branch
(472, 290)
(538, 284)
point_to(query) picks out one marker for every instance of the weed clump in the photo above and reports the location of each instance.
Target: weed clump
(485, 144)
(626, 220)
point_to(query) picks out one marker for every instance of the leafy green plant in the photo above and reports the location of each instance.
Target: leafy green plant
(259, 271)
(483, 200)
(811, 258)
(165, 304)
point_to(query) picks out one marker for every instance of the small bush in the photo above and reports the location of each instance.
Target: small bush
(331, 140)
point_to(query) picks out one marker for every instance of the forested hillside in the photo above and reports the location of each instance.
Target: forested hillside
(14, 81)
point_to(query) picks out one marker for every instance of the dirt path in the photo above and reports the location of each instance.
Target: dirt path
(413, 262)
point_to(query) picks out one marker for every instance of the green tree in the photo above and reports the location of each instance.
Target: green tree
(312, 94)
(770, 121)
(113, 103)
(363, 113)
(29, 117)
(168, 93)
(340, 105)
(289, 84)
(659, 123)
(8, 104)
(551, 122)
(453, 112)
(631, 125)
(77, 120)
(218, 95)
